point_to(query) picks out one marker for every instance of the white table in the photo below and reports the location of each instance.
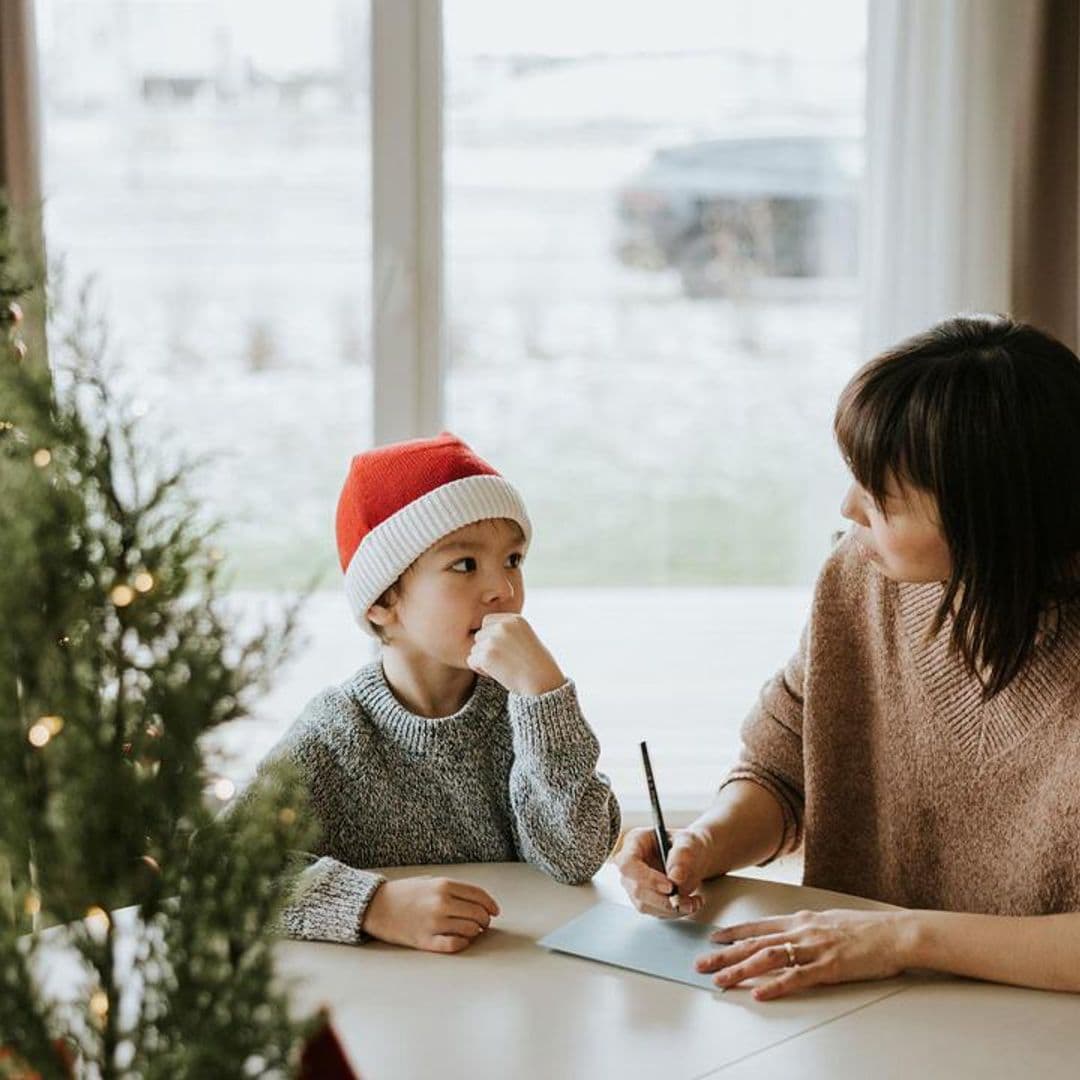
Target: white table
(508, 1009)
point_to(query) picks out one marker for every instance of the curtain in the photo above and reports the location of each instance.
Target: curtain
(944, 81)
(1045, 279)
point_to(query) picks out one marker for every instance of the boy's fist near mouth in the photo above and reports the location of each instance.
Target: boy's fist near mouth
(507, 650)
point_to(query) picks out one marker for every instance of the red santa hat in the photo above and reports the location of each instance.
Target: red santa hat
(400, 499)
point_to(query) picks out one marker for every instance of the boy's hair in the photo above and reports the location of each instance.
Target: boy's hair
(982, 412)
(390, 596)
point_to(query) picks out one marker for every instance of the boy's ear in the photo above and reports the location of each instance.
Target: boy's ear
(382, 612)
(382, 615)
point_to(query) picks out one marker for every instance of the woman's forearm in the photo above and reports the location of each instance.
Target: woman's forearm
(1041, 951)
(744, 826)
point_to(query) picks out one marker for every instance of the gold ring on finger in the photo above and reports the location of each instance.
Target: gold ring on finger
(792, 961)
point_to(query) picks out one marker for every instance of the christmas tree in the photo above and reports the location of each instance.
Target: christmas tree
(115, 658)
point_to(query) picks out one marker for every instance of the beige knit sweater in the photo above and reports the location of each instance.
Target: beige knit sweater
(901, 784)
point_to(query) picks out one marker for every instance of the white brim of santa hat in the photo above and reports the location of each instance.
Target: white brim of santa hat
(395, 544)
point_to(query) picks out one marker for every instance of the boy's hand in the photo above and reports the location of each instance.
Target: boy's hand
(507, 650)
(435, 914)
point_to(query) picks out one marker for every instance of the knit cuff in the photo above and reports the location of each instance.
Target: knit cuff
(792, 834)
(329, 902)
(548, 723)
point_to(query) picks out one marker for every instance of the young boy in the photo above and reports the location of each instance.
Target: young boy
(464, 742)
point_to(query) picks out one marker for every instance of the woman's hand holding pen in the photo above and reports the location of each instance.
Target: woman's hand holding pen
(435, 914)
(650, 885)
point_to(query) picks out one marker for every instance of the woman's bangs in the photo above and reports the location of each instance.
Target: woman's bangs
(870, 433)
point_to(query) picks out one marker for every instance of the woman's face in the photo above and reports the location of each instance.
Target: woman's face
(902, 538)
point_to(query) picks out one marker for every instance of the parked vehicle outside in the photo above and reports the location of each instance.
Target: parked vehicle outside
(726, 211)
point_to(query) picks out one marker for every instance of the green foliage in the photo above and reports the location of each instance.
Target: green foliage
(115, 658)
(212, 1015)
(18, 277)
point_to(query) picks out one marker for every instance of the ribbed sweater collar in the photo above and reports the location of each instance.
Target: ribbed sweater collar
(370, 692)
(983, 730)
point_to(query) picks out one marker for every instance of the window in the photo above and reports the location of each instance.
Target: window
(208, 163)
(652, 303)
(649, 238)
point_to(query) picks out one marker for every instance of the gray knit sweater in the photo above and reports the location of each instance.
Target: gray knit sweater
(506, 778)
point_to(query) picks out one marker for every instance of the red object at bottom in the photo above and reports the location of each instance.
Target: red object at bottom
(14, 1068)
(323, 1057)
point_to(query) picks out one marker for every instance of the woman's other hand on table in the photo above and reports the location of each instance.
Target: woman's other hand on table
(794, 952)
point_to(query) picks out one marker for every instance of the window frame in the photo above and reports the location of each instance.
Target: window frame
(408, 273)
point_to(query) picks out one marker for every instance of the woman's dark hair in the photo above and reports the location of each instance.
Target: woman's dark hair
(983, 413)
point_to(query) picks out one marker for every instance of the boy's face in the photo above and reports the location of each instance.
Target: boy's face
(443, 597)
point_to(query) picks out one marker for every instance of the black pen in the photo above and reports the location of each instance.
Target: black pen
(662, 838)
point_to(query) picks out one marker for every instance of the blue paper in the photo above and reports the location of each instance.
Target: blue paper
(619, 935)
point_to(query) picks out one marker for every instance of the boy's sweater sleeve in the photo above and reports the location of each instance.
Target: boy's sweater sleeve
(772, 746)
(328, 900)
(566, 817)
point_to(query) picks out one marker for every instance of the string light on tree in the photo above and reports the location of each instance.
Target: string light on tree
(97, 918)
(224, 788)
(99, 1005)
(98, 922)
(87, 532)
(44, 729)
(122, 595)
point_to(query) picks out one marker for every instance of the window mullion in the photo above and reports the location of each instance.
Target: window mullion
(407, 218)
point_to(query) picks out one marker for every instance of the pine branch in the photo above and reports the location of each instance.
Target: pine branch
(26, 1021)
(116, 659)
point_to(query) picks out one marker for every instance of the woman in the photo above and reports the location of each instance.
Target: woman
(923, 744)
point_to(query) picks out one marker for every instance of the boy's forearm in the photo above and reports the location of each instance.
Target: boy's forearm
(566, 815)
(1041, 951)
(744, 826)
